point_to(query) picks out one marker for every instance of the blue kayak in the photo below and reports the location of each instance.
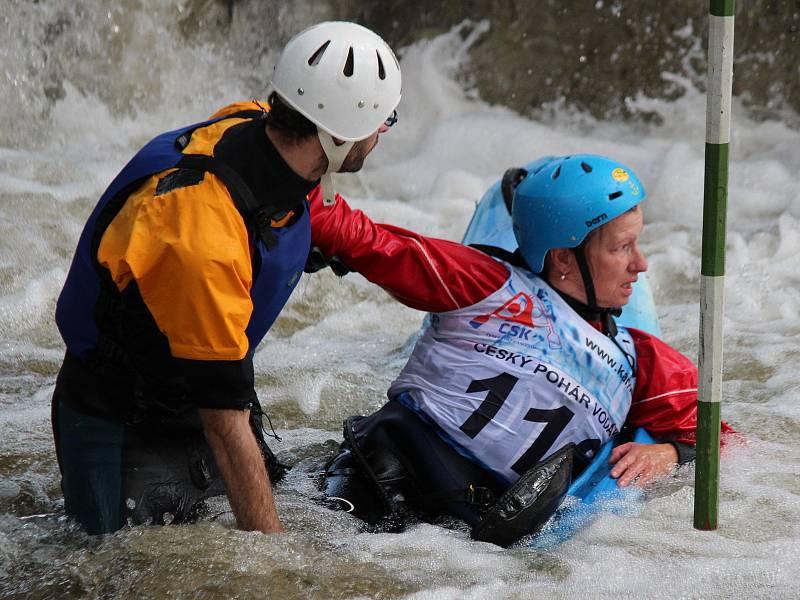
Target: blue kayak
(594, 491)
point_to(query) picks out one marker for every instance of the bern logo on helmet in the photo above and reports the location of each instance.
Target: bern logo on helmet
(596, 220)
(619, 174)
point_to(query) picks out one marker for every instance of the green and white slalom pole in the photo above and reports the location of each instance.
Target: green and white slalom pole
(718, 133)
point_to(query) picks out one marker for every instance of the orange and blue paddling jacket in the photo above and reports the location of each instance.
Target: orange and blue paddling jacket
(182, 268)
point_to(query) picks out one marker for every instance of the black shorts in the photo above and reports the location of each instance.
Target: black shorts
(115, 474)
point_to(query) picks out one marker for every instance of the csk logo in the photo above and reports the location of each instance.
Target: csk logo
(526, 310)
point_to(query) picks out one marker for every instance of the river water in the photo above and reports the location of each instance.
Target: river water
(83, 87)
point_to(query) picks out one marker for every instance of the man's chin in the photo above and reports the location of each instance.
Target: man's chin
(353, 167)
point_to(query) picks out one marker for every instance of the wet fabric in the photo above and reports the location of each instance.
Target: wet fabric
(116, 474)
(391, 462)
(392, 465)
(175, 281)
(526, 506)
(183, 241)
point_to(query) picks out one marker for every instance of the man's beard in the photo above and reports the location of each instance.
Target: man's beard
(358, 153)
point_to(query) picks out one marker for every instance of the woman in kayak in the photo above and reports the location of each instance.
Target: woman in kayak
(520, 358)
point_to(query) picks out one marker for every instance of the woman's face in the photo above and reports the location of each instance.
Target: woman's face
(615, 259)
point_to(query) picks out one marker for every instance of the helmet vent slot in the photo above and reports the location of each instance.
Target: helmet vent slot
(614, 195)
(381, 69)
(317, 56)
(348, 64)
(556, 173)
(586, 168)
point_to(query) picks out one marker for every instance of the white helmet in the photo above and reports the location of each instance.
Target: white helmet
(341, 76)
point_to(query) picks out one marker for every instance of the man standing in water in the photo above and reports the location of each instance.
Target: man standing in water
(182, 268)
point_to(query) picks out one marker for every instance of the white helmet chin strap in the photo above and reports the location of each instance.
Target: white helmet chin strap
(336, 155)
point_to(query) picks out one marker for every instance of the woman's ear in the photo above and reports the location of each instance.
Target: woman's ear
(562, 261)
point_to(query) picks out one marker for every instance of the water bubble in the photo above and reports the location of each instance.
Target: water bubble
(9, 490)
(130, 503)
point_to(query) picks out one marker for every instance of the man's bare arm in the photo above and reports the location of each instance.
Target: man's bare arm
(242, 466)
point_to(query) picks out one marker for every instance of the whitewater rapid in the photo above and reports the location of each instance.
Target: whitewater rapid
(339, 343)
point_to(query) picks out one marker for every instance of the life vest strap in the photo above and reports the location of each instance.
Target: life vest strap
(275, 468)
(182, 141)
(257, 216)
(477, 496)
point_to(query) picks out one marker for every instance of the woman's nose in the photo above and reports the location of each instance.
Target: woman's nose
(639, 261)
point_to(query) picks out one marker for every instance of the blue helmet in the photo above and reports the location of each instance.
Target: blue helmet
(561, 201)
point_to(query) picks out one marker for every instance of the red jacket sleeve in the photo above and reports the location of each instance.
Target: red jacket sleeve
(424, 273)
(665, 398)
